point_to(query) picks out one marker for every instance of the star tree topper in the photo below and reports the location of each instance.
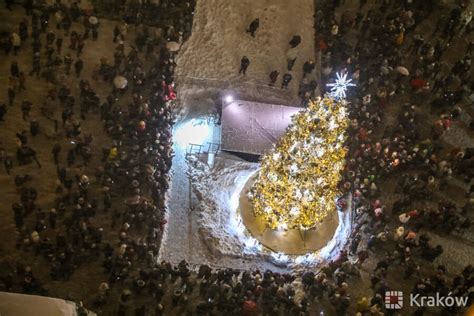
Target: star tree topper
(338, 90)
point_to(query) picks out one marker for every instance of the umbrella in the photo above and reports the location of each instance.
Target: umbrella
(404, 218)
(93, 20)
(120, 82)
(402, 70)
(172, 46)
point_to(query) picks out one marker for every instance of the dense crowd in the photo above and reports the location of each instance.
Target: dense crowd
(130, 181)
(400, 70)
(392, 62)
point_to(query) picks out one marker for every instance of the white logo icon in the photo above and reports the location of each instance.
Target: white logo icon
(393, 299)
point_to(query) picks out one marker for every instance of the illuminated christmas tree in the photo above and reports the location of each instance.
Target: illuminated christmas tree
(297, 185)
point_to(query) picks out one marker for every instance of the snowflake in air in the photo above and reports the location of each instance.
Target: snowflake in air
(338, 88)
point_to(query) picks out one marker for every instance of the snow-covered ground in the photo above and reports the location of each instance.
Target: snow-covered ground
(211, 231)
(207, 68)
(218, 190)
(209, 60)
(219, 39)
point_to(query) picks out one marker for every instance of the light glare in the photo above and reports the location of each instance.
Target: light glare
(195, 131)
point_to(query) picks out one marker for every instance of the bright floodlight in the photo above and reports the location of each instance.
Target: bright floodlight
(229, 99)
(195, 131)
(338, 90)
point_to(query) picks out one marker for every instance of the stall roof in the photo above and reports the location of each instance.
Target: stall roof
(14, 304)
(251, 127)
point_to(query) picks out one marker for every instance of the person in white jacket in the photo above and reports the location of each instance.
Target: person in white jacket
(291, 56)
(16, 41)
(466, 18)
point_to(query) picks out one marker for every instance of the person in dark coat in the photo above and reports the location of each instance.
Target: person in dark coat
(11, 95)
(28, 5)
(78, 66)
(8, 4)
(308, 68)
(25, 109)
(67, 63)
(116, 33)
(80, 45)
(59, 44)
(23, 30)
(7, 45)
(244, 63)
(14, 70)
(18, 211)
(21, 81)
(8, 163)
(36, 65)
(66, 23)
(295, 41)
(55, 151)
(273, 77)
(53, 214)
(253, 27)
(286, 80)
(34, 127)
(3, 111)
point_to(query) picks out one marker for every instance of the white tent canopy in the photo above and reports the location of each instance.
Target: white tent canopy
(13, 304)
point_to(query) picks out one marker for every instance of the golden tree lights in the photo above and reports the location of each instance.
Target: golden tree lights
(296, 187)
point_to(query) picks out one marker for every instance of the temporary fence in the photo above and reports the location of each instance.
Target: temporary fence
(247, 90)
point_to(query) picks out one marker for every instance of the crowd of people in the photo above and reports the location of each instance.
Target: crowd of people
(129, 176)
(307, 89)
(113, 217)
(400, 71)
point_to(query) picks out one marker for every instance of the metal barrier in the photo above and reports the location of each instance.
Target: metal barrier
(213, 148)
(265, 91)
(198, 149)
(193, 149)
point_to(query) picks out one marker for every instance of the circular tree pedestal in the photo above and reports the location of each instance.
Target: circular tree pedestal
(292, 241)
